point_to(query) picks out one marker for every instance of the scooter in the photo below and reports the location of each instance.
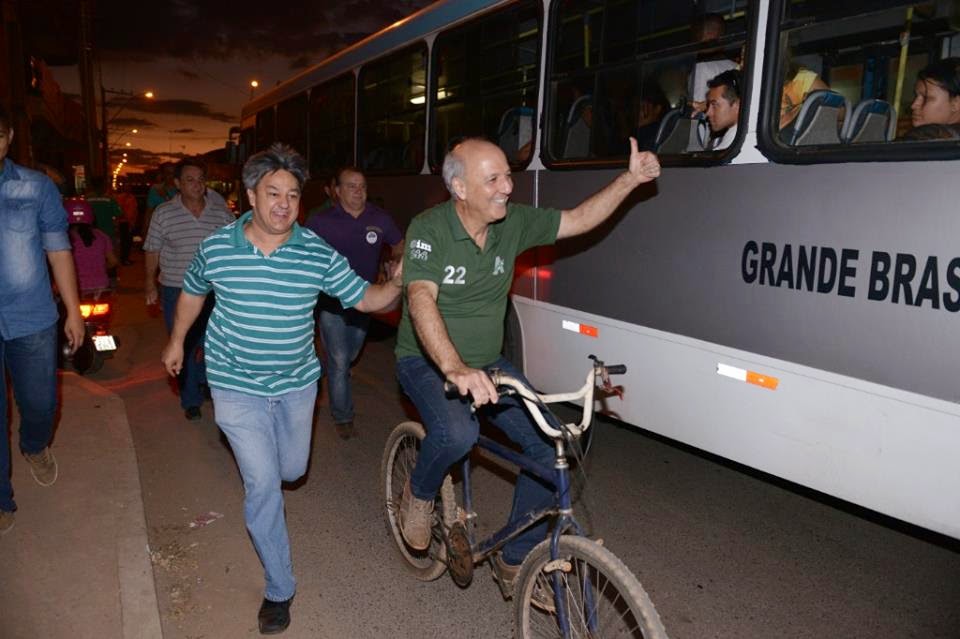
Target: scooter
(98, 343)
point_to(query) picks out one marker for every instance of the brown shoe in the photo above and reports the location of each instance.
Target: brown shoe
(43, 466)
(6, 522)
(415, 518)
(506, 576)
(345, 430)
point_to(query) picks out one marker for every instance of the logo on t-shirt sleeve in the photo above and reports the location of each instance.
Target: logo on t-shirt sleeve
(419, 250)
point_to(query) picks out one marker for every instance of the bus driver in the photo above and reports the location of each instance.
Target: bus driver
(457, 273)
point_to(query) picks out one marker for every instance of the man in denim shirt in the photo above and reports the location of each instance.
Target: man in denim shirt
(33, 231)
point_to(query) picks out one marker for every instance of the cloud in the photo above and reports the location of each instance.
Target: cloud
(188, 74)
(183, 131)
(144, 158)
(133, 123)
(203, 30)
(184, 107)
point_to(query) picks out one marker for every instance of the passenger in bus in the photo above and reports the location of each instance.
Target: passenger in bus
(330, 191)
(457, 272)
(937, 93)
(926, 132)
(710, 28)
(723, 109)
(799, 81)
(650, 109)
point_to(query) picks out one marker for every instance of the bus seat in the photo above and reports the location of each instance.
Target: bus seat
(820, 118)
(515, 130)
(577, 137)
(679, 132)
(872, 120)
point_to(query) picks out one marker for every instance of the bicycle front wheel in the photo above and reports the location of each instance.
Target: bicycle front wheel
(598, 596)
(399, 458)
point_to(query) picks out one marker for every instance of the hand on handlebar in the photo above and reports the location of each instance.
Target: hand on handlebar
(475, 382)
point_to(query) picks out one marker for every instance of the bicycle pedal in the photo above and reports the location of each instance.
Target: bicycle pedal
(558, 564)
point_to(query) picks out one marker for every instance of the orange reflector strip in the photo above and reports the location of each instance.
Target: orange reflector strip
(765, 381)
(750, 377)
(583, 329)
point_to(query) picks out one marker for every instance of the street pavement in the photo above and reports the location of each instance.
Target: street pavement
(76, 564)
(721, 553)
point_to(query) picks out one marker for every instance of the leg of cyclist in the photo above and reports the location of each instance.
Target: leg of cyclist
(512, 418)
(451, 432)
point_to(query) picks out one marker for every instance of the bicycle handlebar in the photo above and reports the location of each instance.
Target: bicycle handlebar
(535, 402)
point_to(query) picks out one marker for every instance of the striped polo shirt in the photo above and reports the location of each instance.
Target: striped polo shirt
(260, 336)
(175, 233)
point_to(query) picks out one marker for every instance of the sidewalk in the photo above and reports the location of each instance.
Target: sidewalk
(77, 563)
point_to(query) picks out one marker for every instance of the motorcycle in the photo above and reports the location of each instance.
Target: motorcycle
(98, 343)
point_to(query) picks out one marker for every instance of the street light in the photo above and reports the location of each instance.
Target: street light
(105, 122)
(253, 87)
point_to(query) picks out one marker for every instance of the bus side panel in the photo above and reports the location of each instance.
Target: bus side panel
(884, 449)
(714, 254)
(406, 196)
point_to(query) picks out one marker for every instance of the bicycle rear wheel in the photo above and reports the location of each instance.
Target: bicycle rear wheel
(399, 458)
(599, 594)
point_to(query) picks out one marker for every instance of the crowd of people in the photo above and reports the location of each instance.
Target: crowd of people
(242, 299)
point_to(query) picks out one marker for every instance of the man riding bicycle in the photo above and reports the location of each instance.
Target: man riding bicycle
(457, 274)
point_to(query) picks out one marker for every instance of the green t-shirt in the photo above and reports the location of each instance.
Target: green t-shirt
(473, 284)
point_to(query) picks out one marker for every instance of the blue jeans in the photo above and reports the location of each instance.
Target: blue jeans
(194, 371)
(452, 431)
(32, 361)
(270, 438)
(342, 335)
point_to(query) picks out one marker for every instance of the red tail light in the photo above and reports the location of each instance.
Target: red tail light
(96, 310)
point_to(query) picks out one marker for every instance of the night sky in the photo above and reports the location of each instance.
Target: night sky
(200, 56)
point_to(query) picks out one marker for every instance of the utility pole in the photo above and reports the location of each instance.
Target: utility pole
(95, 162)
(16, 89)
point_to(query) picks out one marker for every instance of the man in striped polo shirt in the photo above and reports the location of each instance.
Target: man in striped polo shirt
(262, 368)
(176, 230)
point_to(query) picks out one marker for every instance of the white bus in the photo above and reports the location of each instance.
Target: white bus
(789, 302)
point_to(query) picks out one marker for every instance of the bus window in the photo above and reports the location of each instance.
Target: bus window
(265, 129)
(621, 68)
(485, 82)
(331, 125)
(841, 82)
(247, 141)
(292, 122)
(392, 111)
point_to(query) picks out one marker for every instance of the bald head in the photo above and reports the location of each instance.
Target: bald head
(464, 157)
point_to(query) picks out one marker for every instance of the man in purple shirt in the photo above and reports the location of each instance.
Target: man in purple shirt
(359, 231)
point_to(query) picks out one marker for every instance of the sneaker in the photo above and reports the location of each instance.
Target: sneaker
(345, 430)
(415, 517)
(6, 522)
(506, 576)
(43, 466)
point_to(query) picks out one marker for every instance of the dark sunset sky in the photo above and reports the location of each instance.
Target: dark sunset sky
(200, 56)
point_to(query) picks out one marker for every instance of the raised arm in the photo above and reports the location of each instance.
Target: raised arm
(643, 168)
(432, 332)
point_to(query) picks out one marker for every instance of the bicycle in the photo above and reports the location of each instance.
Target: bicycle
(568, 585)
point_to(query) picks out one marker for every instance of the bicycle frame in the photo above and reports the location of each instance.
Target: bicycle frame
(557, 477)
